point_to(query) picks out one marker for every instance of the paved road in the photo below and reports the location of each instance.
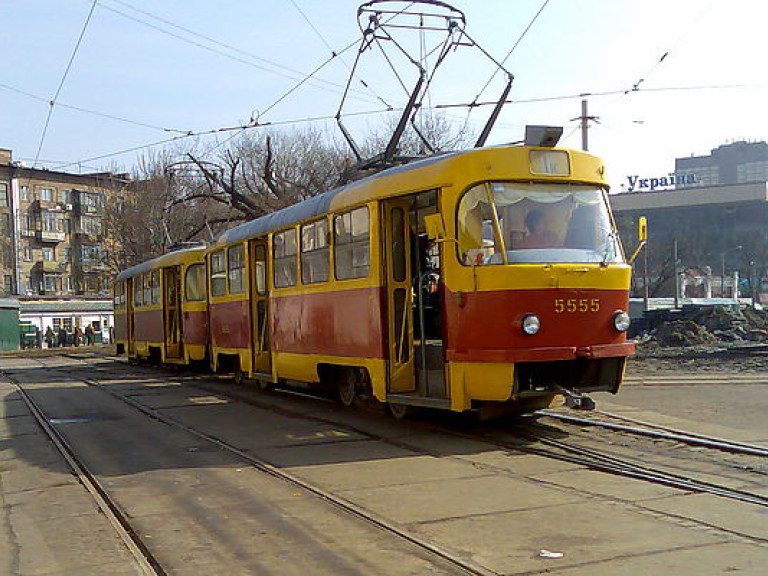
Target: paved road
(203, 512)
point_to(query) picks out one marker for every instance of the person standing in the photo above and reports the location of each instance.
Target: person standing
(49, 337)
(62, 336)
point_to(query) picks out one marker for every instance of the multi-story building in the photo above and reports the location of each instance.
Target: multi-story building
(52, 231)
(735, 163)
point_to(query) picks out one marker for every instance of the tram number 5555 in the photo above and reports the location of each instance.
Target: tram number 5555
(575, 305)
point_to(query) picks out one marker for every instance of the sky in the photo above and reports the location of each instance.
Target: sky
(126, 74)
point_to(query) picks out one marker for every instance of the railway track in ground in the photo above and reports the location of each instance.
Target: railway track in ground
(149, 564)
(146, 562)
(593, 458)
(602, 419)
(495, 436)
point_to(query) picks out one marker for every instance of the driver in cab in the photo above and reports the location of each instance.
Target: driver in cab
(539, 235)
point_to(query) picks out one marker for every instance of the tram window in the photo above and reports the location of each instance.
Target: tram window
(285, 258)
(194, 283)
(154, 287)
(351, 250)
(218, 274)
(314, 252)
(398, 245)
(145, 282)
(119, 295)
(535, 223)
(236, 269)
(138, 291)
(260, 269)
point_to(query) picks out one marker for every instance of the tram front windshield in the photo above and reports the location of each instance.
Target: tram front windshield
(517, 223)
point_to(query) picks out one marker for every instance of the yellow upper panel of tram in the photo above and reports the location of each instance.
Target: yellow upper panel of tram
(176, 258)
(464, 168)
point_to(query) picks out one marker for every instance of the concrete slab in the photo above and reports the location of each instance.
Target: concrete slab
(740, 517)
(251, 427)
(610, 486)
(462, 497)
(395, 471)
(18, 426)
(735, 558)
(586, 533)
(319, 455)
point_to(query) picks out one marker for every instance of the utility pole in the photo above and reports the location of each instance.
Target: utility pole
(585, 118)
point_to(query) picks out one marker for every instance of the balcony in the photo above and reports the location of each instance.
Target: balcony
(48, 205)
(50, 236)
(51, 267)
(93, 267)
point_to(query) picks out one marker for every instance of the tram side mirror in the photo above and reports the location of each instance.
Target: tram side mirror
(642, 229)
(642, 237)
(435, 227)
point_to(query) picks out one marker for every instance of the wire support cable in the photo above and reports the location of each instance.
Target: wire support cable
(52, 103)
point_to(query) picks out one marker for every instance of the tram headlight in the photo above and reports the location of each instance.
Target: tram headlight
(531, 324)
(621, 321)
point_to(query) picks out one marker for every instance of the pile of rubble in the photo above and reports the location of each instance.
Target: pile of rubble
(694, 326)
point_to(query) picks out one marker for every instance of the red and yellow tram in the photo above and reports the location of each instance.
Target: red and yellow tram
(161, 309)
(487, 277)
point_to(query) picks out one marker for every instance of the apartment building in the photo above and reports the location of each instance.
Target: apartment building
(52, 233)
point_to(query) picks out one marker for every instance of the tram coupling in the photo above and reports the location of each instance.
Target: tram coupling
(575, 400)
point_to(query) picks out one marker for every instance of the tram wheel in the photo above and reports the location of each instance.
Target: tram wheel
(239, 377)
(347, 388)
(399, 411)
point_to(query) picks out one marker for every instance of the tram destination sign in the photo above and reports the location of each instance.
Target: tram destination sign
(643, 184)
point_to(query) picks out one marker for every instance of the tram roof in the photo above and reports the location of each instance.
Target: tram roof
(170, 259)
(315, 206)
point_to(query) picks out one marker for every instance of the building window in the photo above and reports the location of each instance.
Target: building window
(48, 254)
(8, 283)
(351, 244)
(51, 283)
(284, 245)
(65, 196)
(5, 223)
(28, 253)
(52, 222)
(236, 269)
(3, 195)
(315, 256)
(46, 194)
(25, 193)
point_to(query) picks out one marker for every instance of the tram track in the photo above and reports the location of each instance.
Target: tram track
(148, 563)
(564, 451)
(643, 428)
(145, 560)
(522, 442)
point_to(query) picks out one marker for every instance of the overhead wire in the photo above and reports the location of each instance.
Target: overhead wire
(275, 68)
(327, 45)
(514, 47)
(91, 112)
(52, 102)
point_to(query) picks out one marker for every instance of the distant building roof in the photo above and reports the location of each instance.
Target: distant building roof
(31, 306)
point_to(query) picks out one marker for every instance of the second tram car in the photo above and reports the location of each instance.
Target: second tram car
(161, 309)
(491, 276)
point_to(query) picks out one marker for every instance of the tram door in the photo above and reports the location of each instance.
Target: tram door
(262, 356)
(129, 328)
(172, 312)
(397, 262)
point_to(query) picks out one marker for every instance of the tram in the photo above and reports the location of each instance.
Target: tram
(486, 278)
(161, 310)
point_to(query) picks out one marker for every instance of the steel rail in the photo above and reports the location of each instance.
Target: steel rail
(337, 501)
(662, 432)
(145, 560)
(607, 463)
